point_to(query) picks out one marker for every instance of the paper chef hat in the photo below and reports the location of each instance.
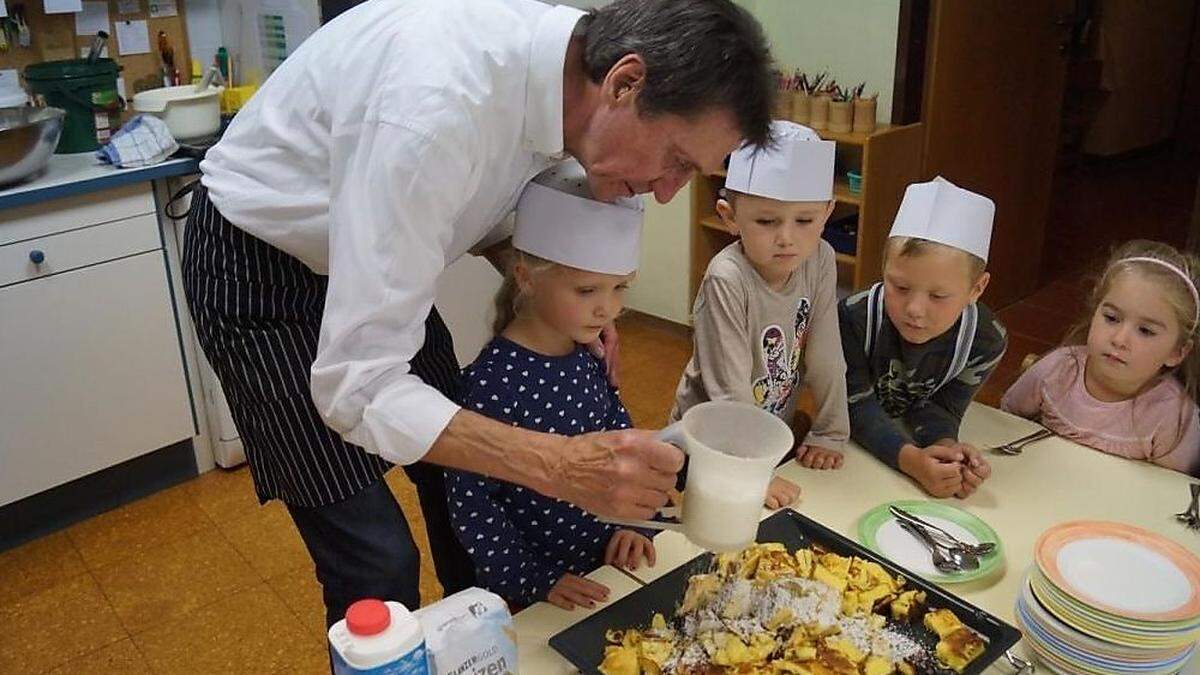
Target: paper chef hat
(557, 219)
(943, 212)
(799, 168)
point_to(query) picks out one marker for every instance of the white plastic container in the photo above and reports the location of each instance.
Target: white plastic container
(380, 638)
(189, 114)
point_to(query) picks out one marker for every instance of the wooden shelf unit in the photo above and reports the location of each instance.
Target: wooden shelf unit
(888, 160)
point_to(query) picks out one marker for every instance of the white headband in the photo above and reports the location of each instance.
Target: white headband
(1191, 286)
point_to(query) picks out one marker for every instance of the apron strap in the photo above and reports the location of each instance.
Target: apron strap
(874, 317)
(963, 344)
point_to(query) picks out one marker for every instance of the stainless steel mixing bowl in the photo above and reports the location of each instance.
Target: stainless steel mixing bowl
(27, 139)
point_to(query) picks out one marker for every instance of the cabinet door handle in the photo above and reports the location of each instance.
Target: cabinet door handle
(37, 257)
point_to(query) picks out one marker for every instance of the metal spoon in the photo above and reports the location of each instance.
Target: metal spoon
(980, 549)
(950, 561)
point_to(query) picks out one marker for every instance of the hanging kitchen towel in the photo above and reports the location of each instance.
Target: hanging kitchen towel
(145, 140)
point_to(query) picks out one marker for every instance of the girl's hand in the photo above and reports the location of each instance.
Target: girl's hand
(816, 457)
(572, 591)
(781, 492)
(626, 549)
(608, 347)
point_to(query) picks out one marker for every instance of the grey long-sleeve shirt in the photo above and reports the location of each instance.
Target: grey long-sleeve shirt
(760, 346)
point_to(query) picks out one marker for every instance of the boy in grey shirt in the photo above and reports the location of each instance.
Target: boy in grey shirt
(765, 317)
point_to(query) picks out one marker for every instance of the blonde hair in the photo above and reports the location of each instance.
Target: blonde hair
(1174, 291)
(906, 247)
(510, 299)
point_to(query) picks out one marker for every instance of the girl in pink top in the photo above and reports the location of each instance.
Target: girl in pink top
(1130, 388)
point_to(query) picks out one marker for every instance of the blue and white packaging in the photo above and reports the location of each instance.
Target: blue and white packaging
(469, 633)
(378, 638)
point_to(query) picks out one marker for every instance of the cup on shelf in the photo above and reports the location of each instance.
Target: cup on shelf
(800, 107)
(864, 115)
(818, 112)
(854, 182)
(841, 116)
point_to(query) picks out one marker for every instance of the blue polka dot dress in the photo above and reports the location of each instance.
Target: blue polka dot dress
(522, 542)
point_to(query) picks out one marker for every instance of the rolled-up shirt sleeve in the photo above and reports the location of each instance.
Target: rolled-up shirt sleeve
(392, 213)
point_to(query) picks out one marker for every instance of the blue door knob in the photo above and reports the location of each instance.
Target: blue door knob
(37, 257)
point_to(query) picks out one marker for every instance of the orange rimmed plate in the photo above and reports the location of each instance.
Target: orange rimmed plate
(1121, 570)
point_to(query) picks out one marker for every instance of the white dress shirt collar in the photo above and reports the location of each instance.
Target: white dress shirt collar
(544, 86)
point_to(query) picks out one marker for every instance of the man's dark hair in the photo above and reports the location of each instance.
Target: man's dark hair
(700, 55)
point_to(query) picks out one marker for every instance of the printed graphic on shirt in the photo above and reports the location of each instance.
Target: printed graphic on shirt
(898, 391)
(772, 391)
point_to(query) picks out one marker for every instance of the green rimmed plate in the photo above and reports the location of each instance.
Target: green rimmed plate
(878, 531)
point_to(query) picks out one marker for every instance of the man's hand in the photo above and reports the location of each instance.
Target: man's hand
(622, 474)
(572, 591)
(816, 457)
(937, 468)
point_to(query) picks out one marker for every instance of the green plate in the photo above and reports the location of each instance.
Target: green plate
(871, 523)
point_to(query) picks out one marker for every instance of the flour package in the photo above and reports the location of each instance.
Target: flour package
(469, 633)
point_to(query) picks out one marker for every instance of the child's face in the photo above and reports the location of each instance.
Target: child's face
(777, 236)
(1133, 336)
(576, 303)
(926, 293)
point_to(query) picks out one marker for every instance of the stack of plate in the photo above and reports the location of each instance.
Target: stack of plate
(1110, 598)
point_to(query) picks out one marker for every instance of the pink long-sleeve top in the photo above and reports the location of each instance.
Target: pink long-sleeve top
(1160, 425)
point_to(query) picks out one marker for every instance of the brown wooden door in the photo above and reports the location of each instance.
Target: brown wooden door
(993, 95)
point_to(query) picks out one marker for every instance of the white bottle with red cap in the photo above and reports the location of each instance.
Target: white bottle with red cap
(380, 638)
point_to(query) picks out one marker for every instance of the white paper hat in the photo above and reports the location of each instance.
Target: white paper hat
(557, 220)
(943, 212)
(799, 168)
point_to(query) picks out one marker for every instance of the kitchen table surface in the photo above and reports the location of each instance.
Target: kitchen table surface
(1053, 481)
(81, 173)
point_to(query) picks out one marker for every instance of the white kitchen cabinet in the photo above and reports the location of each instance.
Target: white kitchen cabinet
(91, 371)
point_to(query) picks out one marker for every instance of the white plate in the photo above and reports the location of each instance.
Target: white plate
(904, 549)
(1124, 575)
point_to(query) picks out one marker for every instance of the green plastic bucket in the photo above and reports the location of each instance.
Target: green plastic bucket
(87, 91)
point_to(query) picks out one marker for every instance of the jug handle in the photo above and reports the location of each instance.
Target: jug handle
(673, 435)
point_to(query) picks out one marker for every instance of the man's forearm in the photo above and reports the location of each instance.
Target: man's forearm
(472, 442)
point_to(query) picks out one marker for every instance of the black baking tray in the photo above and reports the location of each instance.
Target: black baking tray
(583, 644)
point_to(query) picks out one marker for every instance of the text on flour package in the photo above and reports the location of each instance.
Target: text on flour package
(469, 633)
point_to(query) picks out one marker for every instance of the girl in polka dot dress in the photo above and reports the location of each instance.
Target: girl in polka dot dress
(538, 374)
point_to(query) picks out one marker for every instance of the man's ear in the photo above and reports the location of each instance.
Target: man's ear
(725, 212)
(625, 79)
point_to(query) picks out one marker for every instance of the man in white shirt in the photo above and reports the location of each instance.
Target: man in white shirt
(389, 144)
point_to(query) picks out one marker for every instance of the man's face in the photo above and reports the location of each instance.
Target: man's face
(625, 153)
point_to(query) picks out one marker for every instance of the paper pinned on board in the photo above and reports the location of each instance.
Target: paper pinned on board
(133, 37)
(93, 18)
(161, 8)
(3, 9)
(129, 6)
(62, 6)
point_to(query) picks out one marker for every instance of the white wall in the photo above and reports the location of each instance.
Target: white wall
(661, 288)
(855, 40)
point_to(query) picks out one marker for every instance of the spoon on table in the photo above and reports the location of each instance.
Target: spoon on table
(945, 559)
(980, 549)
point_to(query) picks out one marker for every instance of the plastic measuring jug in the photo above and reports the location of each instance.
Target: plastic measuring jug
(733, 449)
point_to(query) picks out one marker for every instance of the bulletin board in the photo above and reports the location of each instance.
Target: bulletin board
(53, 38)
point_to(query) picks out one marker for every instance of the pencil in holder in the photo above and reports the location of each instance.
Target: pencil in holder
(800, 107)
(864, 115)
(818, 112)
(841, 116)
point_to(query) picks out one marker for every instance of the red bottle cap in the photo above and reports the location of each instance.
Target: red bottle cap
(368, 617)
